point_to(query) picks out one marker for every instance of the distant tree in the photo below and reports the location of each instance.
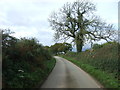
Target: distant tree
(77, 20)
(46, 47)
(96, 46)
(60, 48)
(54, 48)
(65, 47)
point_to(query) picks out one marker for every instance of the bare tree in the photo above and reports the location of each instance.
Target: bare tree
(77, 20)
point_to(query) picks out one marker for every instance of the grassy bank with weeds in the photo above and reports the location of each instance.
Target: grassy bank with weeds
(25, 62)
(49, 67)
(24, 77)
(101, 62)
(108, 81)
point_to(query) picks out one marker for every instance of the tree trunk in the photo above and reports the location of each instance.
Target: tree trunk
(79, 41)
(79, 44)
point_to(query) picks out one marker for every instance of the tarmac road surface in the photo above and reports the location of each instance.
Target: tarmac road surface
(67, 75)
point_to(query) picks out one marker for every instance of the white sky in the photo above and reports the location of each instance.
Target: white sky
(29, 18)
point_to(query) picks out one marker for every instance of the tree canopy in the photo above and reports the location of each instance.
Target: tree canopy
(58, 48)
(77, 20)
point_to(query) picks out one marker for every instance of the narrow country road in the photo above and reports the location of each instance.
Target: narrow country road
(67, 75)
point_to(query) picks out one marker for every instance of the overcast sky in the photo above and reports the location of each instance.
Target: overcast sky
(29, 18)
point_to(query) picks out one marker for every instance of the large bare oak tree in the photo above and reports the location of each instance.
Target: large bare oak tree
(77, 20)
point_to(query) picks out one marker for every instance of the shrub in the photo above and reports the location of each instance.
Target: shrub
(104, 57)
(26, 55)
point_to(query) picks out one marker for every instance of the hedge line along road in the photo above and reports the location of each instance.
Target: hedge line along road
(67, 75)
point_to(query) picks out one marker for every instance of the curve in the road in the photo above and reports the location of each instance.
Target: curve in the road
(67, 75)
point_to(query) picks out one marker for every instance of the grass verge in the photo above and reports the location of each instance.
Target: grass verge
(108, 81)
(50, 66)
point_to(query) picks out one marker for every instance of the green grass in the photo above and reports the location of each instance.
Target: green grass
(104, 58)
(101, 58)
(107, 80)
(44, 74)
